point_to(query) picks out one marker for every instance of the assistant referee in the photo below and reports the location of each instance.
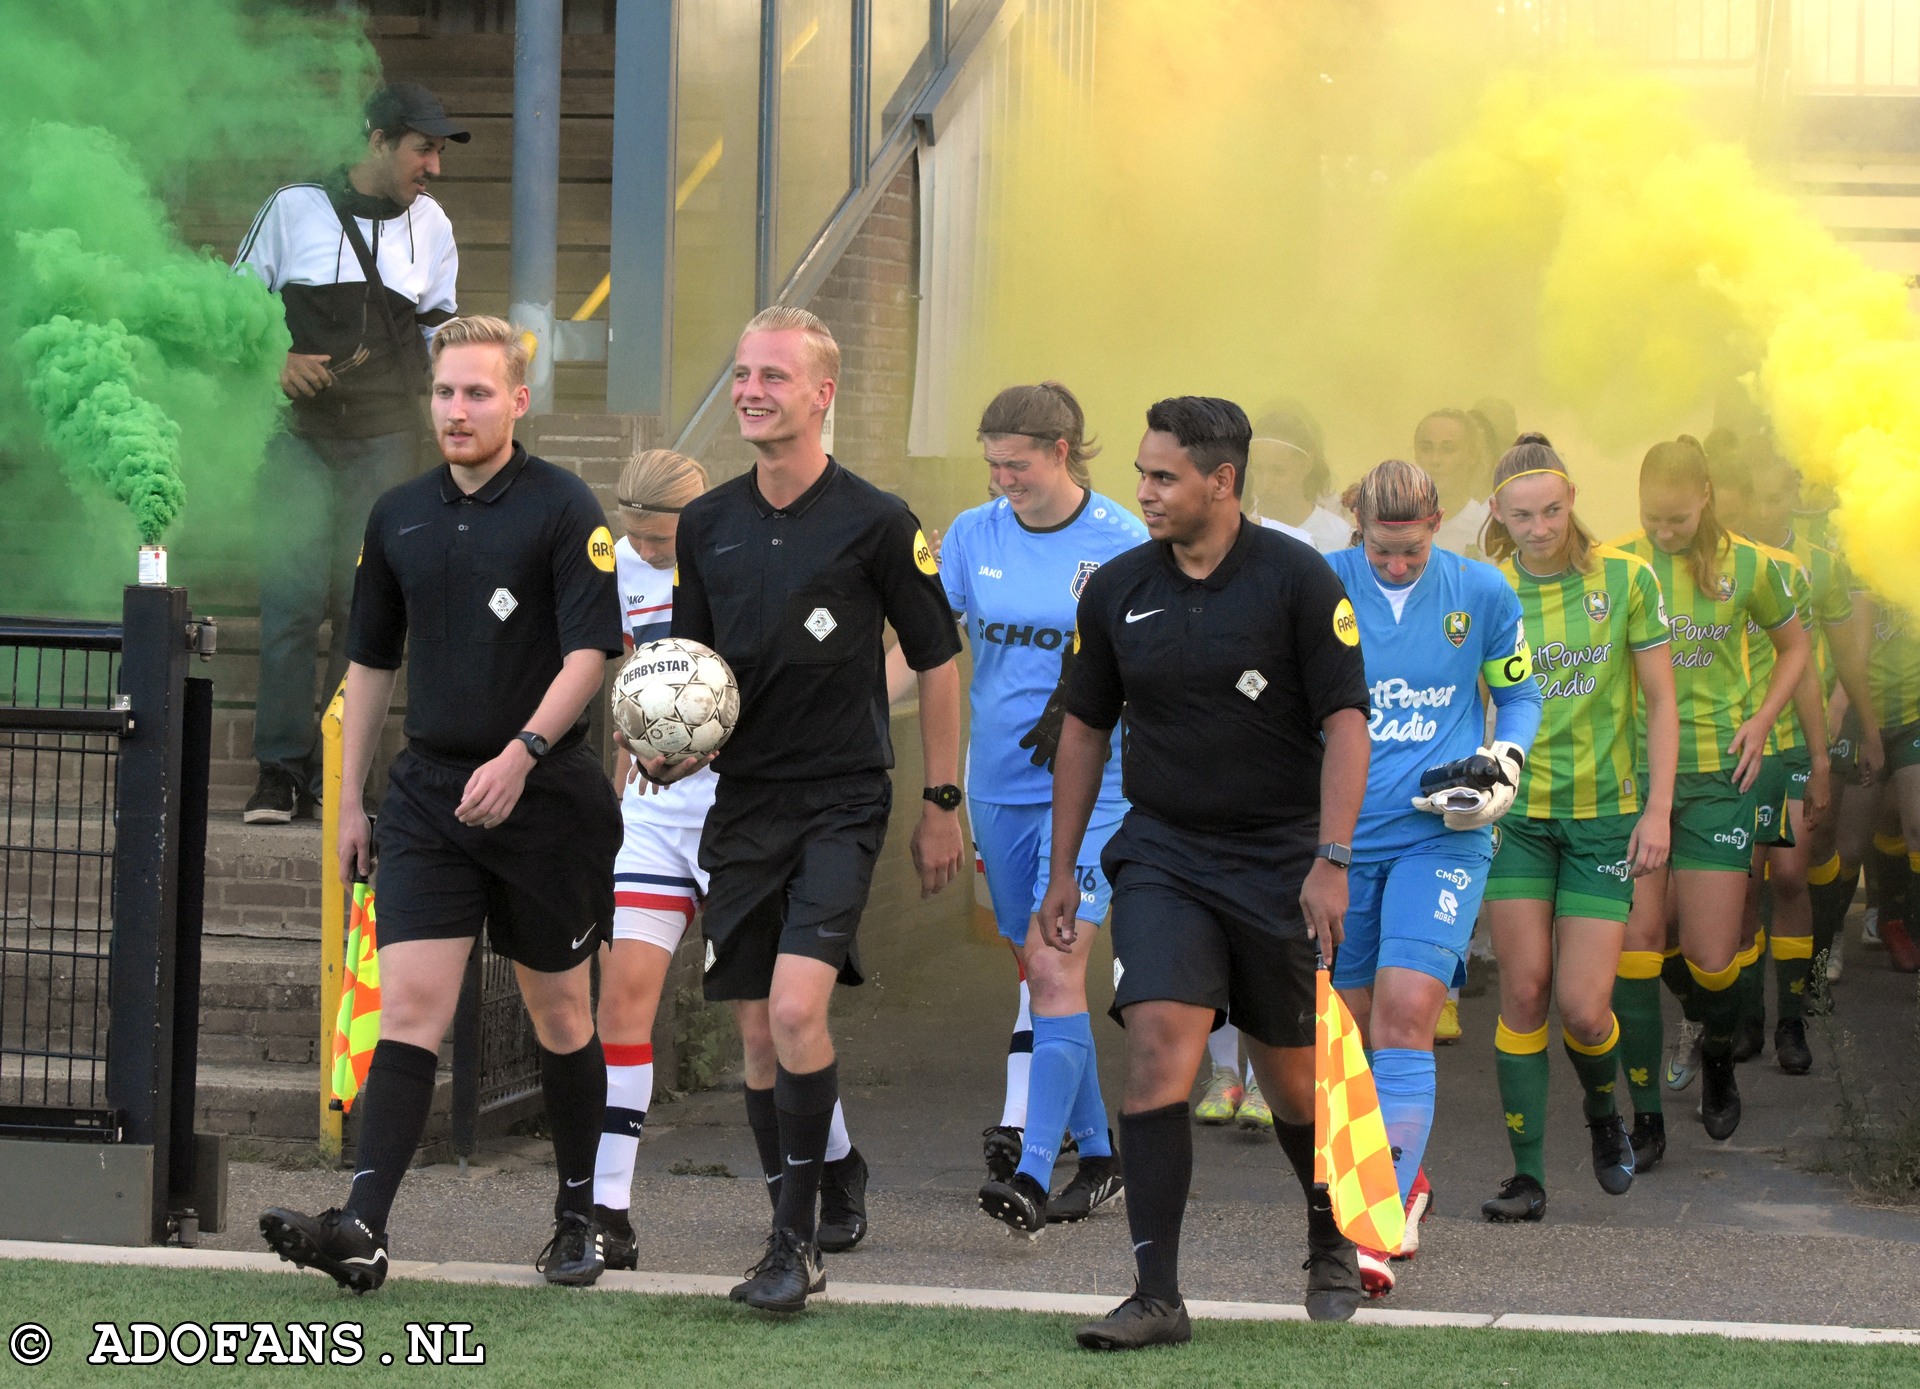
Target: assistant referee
(789, 571)
(494, 576)
(1233, 651)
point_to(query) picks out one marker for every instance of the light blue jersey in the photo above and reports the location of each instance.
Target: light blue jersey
(1019, 591)
(1460, 622)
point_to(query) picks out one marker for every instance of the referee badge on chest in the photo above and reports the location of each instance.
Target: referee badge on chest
(503, 603)
(820, 624)
(1456, 625)
(1597, 604)
(1250, 683)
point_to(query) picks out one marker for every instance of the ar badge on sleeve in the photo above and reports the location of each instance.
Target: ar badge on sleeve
(503, 603)
(1250, 683)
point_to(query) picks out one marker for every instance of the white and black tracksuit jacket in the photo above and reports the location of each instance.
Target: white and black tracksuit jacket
(297, 245)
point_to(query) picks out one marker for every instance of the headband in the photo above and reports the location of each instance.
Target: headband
(1285, 444)
(651, 510)
(1533, 472)
(1416, 521)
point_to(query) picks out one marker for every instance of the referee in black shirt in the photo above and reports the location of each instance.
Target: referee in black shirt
(789, 572)
(495, 575)
(1233, 652)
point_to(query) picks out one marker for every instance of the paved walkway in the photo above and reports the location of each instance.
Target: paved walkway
(1724, 1232)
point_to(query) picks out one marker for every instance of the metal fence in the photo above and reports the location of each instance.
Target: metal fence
(105, 743)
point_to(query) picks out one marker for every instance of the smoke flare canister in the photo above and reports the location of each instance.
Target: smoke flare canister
(153, 565)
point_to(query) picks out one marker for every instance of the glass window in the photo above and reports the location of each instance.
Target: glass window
(816, 122)
(716, 191)
(899, 63)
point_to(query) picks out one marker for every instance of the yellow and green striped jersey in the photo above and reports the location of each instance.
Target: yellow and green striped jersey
(1833, 586)
(1584, 629)
(1893, 670)
(1712, 684)
(1787, 733)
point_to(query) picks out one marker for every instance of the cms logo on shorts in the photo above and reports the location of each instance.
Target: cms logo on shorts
(1614, 870)
(1763, 817)
(1737, 837)
(1448, 910)
(1459, 877)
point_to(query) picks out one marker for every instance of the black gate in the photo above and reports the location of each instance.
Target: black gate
(105, 745)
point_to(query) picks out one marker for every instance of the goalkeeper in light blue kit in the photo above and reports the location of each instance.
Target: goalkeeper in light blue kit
(1433, 626)
(1014, 569)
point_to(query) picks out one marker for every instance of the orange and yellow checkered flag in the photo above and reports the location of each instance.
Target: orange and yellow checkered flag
(1351, 1156)
(356, 1027)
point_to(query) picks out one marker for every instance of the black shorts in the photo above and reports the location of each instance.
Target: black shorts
(790, 864)
(542, 880)
(1214, 920)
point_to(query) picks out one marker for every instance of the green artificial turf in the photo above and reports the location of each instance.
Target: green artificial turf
(553, 1338)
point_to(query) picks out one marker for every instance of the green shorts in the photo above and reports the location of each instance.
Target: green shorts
(1712, 823)
(1903, 746)
(1783, 777)
(1578, 865)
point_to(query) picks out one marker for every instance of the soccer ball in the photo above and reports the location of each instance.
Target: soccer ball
(676, 698)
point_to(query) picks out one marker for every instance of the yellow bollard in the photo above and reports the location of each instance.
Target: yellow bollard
(333, 919)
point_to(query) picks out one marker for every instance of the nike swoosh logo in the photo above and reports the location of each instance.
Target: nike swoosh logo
(579, 1181)
(723, 549)
(774, 1178)
(1142, 1245)
(797, 1162)
(409, 530)
(1133, 616)
(583, 940)
(834, 935)
(358, 1175)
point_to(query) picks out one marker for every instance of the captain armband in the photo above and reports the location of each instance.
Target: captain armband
(1504, 672)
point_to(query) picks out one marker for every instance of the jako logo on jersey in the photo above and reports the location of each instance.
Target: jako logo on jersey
(1737, 837)
(600, 549)
(987, 572)
(1456, 625)
(1398, 694)
(1459, 877)
(1597, 604)
(1014, 634)
(1345, 625)
(1081, 574)
(1448, 910)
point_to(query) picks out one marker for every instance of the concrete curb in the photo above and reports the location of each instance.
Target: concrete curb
(990, 1299)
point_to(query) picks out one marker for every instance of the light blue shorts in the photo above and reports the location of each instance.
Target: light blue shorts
(1016, 846)
(1414, 911)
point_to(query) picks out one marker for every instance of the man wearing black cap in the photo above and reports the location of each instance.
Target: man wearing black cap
(365, 263)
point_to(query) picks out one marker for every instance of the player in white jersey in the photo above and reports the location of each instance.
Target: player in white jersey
(1014, 569)
(1433, 626)
(658, 885)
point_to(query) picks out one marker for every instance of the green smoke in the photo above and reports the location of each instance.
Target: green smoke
(136, 366)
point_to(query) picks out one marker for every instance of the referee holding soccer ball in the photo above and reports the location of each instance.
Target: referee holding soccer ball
(1233, 652)
(789, 571)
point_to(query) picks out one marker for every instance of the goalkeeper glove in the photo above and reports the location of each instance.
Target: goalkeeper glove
(1473, 791)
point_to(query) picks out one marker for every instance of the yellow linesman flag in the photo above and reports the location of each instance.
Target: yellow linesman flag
(1351, 1156)
(356, 1027)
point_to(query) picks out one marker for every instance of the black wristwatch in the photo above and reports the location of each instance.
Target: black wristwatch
(946, 797)
(536, 745)
(1339, 855)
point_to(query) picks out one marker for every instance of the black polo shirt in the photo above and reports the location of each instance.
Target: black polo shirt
(1225, 680)
(485, 595)
(794, 599)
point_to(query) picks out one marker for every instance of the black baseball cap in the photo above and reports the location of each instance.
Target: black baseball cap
(410, 106)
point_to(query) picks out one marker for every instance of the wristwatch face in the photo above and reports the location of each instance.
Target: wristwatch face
(536, 745)
(1339, 855)
(946, 797)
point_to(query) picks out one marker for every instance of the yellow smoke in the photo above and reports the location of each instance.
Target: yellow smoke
(1364, 204)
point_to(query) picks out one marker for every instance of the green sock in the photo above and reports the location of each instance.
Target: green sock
(1719, 1009)
(1831, 901)
(1792, 968)
(1598, 1070)
(1674, 974)
(1636, 1003)
(1520, 1063)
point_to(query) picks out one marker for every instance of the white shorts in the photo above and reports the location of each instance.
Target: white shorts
(657, 882)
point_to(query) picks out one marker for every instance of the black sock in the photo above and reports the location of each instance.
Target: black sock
(1679, 981)
(1831, 902)
(806, 1106)
(1296, 1141)
(1159, 1170)
(393, 1112)
(764, 1120)
(574, 1087)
